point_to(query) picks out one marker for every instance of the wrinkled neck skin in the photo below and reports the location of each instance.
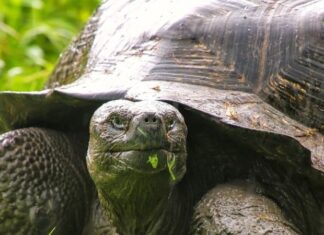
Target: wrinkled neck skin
(137, 203)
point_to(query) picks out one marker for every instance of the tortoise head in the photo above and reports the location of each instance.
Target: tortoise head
(144, 139)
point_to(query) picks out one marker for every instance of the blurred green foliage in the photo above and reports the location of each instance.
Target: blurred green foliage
(32, 35)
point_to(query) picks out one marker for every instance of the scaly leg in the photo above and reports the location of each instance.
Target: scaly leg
(44, 185)
(236, 209)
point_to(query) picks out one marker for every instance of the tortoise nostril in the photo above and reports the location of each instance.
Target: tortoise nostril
(150, 118)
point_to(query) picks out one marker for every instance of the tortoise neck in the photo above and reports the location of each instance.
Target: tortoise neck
(139, 204)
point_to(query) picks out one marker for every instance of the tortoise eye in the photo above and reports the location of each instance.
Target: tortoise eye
(118, 122)
(170, 124)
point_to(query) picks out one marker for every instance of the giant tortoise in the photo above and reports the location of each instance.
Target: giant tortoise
(213, 124)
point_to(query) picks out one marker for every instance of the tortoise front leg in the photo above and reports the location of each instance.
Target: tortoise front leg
(237, 209)
(43, 184)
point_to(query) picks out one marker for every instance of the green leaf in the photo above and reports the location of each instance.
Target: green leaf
(171, 161)
(153, 160)
(32, 35)
(36, 4)
(36, 55)
(15, 71)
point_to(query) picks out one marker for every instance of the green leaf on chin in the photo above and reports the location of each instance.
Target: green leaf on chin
(153, 160)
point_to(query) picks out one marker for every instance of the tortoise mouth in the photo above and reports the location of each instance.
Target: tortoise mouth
(151, 161)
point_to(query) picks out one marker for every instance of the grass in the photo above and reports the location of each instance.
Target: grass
(171, 161)
(52, 231)
(32, 35)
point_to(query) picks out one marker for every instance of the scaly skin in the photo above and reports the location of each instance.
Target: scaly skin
(43, 183)
(235, 208)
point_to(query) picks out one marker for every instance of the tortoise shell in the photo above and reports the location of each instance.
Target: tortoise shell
(256, 65)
